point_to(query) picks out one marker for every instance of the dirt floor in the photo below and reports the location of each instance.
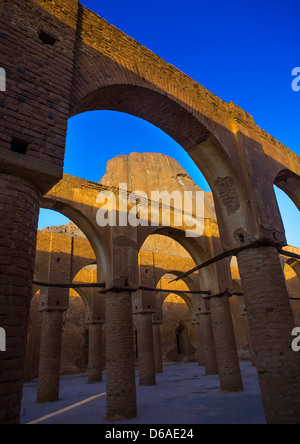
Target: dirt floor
(183, 395)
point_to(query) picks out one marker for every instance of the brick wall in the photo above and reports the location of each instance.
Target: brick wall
(35, 107)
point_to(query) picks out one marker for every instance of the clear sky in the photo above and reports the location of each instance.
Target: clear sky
(241, 51)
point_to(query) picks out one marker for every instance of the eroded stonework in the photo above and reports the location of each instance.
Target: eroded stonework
(160, 260)
(62, 60)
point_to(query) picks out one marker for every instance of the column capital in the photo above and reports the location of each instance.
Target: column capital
(144, 311)
(100, 322)
(115, 288)
(227, 294)
(157, 322)
(52, 308)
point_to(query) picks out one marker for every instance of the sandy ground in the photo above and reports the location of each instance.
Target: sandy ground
(183, 395)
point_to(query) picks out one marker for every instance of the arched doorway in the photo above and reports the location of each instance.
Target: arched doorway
(177, 333)
(181, 340)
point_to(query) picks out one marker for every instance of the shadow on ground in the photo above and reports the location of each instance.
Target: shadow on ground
(183, 395)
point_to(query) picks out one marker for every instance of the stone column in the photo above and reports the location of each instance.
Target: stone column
(199, 342)
(157, 347)
(50, 356)
(209, 350)
(19, 211)
(225, 343)
(252, 354)
(146, 357)
(95, 352)
(95, 320)
(271, 323)
(52, 304)
(120, 358)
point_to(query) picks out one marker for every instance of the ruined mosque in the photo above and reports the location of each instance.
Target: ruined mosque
(120, 298)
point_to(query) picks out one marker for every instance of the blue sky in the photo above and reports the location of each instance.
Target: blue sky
(241, 51)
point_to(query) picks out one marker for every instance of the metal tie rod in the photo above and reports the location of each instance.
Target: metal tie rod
(74, 286)
(230, 253)
(288, 253)
(158, 290)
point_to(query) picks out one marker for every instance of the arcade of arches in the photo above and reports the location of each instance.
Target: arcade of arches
(62, 60)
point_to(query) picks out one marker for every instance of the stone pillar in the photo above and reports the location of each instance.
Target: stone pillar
(199, 343)
(252, 354)
(19, 211)
(146, 357)
(95, 319)
(120, 358)
(225, 343)
(52, 304)
(50, 356)
(209, 350)
(157, 347)
(95, 352)
(271, 323)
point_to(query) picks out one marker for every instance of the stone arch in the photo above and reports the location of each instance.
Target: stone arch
(184, 296)
(59, 258)
(69, 210)
(96, 54)
(190, 281)
(289, 182)
(291, 269)
(84, 293)
(176, 117)
(94, 309)
(137, 82)
(204, 280)
(156, 106)
(176, 290)
(295, 264)
(193, 248)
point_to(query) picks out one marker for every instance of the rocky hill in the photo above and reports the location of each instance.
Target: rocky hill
(70, 229)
